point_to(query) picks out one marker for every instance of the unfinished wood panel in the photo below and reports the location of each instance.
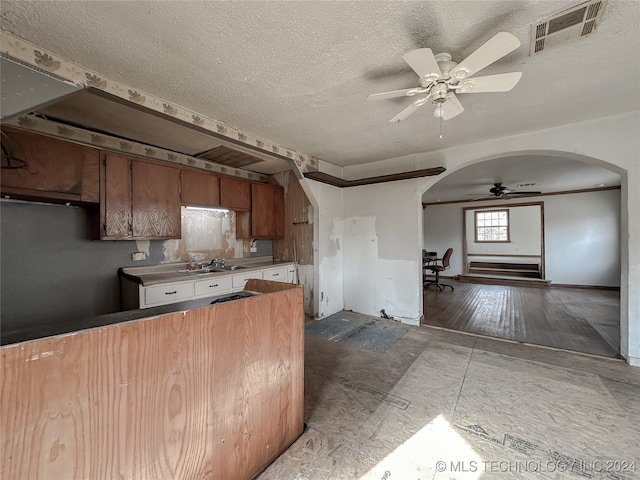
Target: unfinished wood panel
(214, 393)
(200, 188)
(55, 168)
(279, 209)
(297, 215)
(235, 194)
(155, 200)
(115, 207)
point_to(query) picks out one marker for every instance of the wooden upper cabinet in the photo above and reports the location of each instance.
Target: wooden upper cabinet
(156, 200)
(235, 194)
(140, 199)
(115, 207)
(267, 211)
(200, 188)
(55, 169)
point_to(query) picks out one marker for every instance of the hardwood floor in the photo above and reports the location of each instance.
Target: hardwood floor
(581, 320)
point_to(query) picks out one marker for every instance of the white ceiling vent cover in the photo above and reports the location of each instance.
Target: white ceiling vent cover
(566, 26)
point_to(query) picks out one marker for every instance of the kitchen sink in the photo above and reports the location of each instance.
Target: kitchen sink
(201, 271)
(233, 267)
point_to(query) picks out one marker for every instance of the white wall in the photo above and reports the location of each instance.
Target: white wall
(525, 236)
(582, 238)
(329, 246)
(582, 235)
(382, 250)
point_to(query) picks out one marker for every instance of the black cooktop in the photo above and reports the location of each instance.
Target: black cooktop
(232, 296)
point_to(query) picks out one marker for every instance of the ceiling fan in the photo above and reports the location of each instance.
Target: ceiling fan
(500, 191)
(440, 79)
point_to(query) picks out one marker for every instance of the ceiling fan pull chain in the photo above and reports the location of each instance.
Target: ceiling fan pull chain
(440, 127)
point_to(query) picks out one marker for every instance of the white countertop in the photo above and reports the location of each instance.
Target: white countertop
(170, 272)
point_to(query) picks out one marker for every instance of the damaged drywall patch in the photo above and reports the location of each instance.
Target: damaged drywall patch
(143, 246)
(206, 234)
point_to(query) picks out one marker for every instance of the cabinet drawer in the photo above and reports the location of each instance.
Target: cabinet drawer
(278, 274)
(239, 279)
(213, 285)
(168, 293)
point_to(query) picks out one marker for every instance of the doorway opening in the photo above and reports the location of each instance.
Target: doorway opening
(553, 276)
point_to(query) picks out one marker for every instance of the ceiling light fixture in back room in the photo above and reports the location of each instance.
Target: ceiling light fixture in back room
(440, 79)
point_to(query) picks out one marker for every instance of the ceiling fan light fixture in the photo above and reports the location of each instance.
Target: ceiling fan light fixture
(439, 111)
(466, 86)
(460, 74)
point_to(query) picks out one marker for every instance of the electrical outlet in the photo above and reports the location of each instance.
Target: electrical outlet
(254, 249)
(138, 256)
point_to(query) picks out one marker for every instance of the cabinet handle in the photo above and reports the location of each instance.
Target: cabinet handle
(171, 293)
(213, 286)
(275, 274)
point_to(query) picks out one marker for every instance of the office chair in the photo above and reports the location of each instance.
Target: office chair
(436, 269)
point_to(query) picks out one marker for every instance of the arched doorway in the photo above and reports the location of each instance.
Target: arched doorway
(583, 224)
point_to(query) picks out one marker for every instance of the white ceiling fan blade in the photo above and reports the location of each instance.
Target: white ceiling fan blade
(495, 48)
(451, 107)
(502, 82)
(405, 92)
(409, 110)
(423, 63)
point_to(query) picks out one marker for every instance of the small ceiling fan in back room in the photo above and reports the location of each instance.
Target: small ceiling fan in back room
(440, 79)
(500, 191)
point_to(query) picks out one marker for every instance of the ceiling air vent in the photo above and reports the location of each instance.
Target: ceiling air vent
(566, 26)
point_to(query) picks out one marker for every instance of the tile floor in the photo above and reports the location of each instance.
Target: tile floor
(444, 405)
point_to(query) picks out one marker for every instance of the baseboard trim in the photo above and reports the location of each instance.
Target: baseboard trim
(590, 287)
(509, 282)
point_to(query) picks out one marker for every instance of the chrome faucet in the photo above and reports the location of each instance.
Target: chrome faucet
(217, 262)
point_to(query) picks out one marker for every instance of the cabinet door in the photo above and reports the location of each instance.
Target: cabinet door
(267, 211)
(115, 207)
(54, 169)
(155, 200)
(235, 194)
(200, 188)
(262, 210)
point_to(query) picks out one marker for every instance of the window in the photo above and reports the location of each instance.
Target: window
(492, 226)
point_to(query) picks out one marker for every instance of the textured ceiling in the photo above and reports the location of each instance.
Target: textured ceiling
(298, 73)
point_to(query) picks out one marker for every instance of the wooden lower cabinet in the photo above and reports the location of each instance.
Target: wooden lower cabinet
(140, 199)
(56, 170)
(209, 393)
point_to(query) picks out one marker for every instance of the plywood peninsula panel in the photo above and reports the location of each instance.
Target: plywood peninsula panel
(210, 393)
